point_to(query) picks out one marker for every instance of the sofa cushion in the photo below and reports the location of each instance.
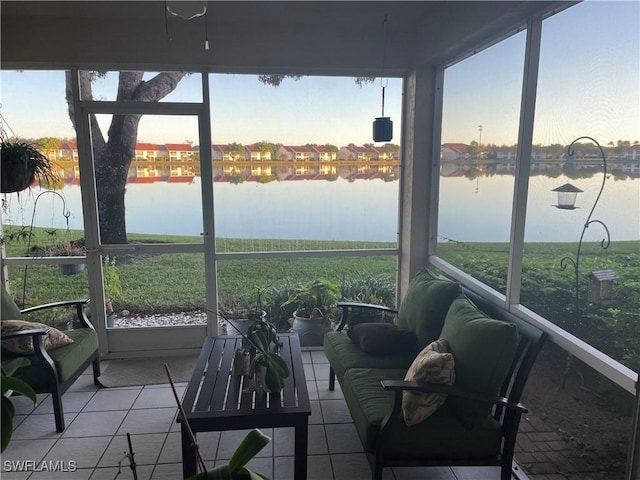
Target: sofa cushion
(382, 338)
(483, 350)
(432, 365)
(53, 339)
(343, 354)
(440, 434)
(9, 309)
(67, 359)
(425, 305)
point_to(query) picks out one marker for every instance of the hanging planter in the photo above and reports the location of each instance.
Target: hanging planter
(71, 268)
(72, 248)
(22, 165)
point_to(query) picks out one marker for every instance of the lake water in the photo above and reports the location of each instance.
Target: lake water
(361, 210)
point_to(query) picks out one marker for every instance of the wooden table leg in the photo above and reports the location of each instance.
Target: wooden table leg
(189, 465)
(301, 444)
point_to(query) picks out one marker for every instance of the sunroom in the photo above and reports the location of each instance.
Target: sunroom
(484, 98)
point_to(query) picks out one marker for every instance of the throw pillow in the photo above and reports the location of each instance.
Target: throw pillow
(432, 365)
(53, 339)
(484, 350)
(382, 338)
(425, 305)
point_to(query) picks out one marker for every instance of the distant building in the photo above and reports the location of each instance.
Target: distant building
(257, 155)
(453, 151)
(298, 153)
(633, 152)
(69, 150)
(354, 152)
(324, 154)
(149, 151)
(179, 151)
(506, 153)
(218, 152)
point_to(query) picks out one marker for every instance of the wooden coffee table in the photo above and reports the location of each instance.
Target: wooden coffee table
(214, 399)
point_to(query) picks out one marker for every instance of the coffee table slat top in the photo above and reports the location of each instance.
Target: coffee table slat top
(214, 391)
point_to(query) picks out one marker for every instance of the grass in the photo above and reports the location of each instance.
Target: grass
(176, 282)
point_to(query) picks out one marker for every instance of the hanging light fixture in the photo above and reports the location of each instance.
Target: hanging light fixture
(187, 10)
(383, 126)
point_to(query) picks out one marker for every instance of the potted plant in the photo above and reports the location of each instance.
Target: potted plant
(366, 291)
(314, 312)
(23, 164)
(240, 315)
(236, 469)
(259, 356)
(70, 248)
(112, 287)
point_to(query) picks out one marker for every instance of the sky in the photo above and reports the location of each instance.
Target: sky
(588, 84)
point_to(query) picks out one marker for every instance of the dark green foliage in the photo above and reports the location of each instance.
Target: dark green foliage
(23, 162)
(13, 384)
(315, 299)
(550, 291)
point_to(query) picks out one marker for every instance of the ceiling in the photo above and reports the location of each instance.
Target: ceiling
(305, 37)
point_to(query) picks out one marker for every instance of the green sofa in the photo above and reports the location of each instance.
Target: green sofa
(54, 371)
(477, 425)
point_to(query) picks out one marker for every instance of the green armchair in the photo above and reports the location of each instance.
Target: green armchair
(53, 371)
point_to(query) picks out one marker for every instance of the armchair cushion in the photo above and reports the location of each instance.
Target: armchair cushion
(343, 354)
(425, 305)
(439, 435)
(483, 350)
(382, 338)
(432, 365)
(67, 359)
(53, 339)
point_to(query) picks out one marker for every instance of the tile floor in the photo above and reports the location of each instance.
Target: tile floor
(94, 443)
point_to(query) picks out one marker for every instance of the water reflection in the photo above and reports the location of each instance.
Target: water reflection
(351, 200)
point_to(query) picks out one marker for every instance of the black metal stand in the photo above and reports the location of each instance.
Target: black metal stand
(575, 262)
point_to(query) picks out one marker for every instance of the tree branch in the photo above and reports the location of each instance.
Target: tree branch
(158, 87)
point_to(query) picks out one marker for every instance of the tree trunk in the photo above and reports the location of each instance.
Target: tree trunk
(113, 158)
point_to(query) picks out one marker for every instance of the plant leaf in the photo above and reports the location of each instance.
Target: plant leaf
(252, 443)
(222, 472)
(273, 381)
(6, 422)
(10, 366)
(19, 386)
(277, 363)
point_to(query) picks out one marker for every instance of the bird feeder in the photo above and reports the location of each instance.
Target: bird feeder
(567, 194)
(600, 288)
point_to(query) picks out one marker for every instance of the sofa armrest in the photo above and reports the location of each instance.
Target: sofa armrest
(398, 386)
(78, 303)
(348, 306)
